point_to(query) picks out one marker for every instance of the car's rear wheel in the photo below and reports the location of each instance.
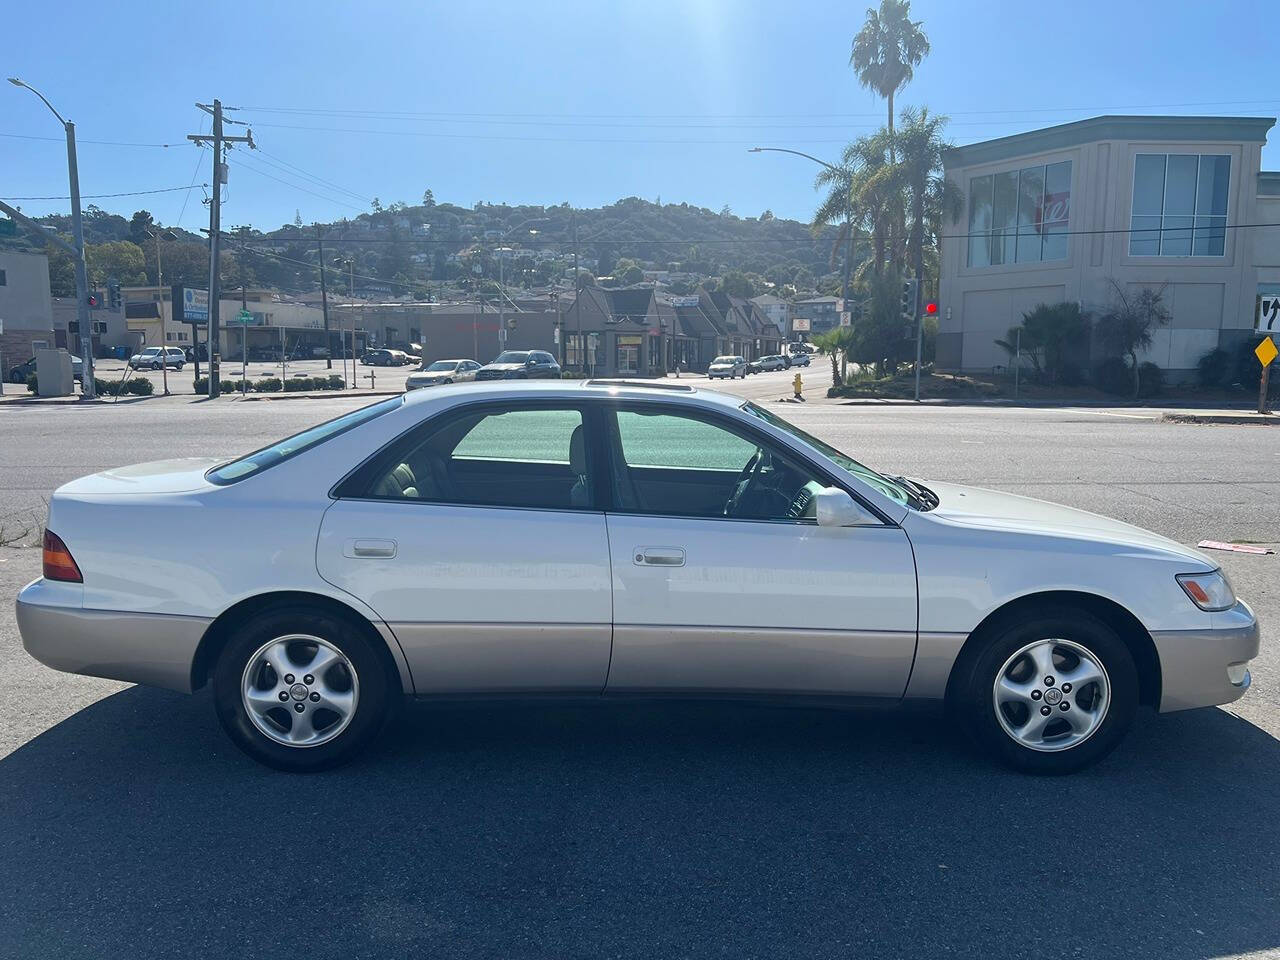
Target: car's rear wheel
(1051, 693)
(302, 690)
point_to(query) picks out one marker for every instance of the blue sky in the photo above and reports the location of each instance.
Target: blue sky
(585, 102)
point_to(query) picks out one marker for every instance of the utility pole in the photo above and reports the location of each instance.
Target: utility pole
(77, 234)
(324, 300)
(244, 306)
(215, 233)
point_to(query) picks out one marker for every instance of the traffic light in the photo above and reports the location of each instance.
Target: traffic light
(511, 323)
(931, 308)
(908, 300)
(94, 301)
(113, 293)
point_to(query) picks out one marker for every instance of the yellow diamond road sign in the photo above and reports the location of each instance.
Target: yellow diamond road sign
(1266, 351)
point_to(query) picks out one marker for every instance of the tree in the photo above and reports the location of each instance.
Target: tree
(297, 217)
(121, 259)
(766, 216)
(139, 224)
(1129, 324)
(376, 205)
(738, 284)
(428, 199)
(62, 272)
(833, 343)
(887, 50)
(929, 196)
(863, 193)
(725, 211)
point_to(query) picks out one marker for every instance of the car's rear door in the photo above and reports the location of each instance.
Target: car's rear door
(477, 538)
(758, 601)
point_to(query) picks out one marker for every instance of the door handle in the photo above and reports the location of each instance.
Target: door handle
(370, 549)
(659, 556)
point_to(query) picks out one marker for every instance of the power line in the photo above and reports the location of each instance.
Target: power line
(105, 196)
(262, 173)
(107, 143)
(310, 176)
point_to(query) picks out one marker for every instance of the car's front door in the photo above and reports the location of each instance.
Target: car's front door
(477, 539)
(724, 582)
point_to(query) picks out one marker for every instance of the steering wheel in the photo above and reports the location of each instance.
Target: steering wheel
(741, 485)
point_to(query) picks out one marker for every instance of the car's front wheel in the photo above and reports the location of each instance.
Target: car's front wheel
(302, 690)
(1050, 693)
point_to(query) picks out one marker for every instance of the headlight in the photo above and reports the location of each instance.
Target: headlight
(1208, 591)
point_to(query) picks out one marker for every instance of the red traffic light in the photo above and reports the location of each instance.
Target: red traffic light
(931, 308)
(93, 300)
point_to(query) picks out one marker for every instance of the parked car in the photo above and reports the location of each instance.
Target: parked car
(201, 351)
(23, 371)
(380, 358)
(401, 358)
(153, 358)
(442, 371)
(753, 366)
(521, 365)
(541, 539)
(773, 362)
(727, 368)
(799, 359)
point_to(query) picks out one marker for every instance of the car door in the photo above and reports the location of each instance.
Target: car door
(762, 600)
(477, 538)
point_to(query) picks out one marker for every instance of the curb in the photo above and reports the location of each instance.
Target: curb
(324, 395)
(1226, 419)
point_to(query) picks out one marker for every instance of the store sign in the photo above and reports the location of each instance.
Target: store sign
(684, 301)
(190, 305)
(800, 325)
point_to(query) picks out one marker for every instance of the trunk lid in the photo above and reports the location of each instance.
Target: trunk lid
(159, 476)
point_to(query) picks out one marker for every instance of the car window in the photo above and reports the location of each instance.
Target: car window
(278, 452)
(534, 457)
(513, 356)
(673, 464)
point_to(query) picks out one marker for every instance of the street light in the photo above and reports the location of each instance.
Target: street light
(157, 235)
(851, 239)
(77, 234)
(350, 264)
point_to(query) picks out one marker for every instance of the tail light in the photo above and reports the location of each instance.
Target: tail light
(58, 562)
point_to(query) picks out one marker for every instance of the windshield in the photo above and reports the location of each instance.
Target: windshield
(725, 360)
(890, 488)
(292, 446)
(512, 356)
(151, 351)
(443, 365)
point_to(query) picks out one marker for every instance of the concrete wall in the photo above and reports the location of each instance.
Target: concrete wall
(1211, 298)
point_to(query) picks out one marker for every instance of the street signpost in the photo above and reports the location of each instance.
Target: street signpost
(244, 318)
(1266, 352)
(1267, 321)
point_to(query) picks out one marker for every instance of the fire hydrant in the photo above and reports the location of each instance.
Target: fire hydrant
(798, 385)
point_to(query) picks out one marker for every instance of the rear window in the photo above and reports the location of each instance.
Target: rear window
(278, 452)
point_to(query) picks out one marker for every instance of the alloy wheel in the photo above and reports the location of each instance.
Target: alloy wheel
(299, 690)
(1051, 695)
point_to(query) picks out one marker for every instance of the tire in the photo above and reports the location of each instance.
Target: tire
(1074, 737)
(178, 367)
(358, 679)
(447, 380)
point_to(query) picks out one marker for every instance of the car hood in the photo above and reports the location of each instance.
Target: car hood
(995, 510)
(159, 476)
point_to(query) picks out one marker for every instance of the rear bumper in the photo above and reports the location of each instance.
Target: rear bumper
(152, 649)
(1201, 668)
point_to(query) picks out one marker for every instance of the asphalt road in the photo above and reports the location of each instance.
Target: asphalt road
(130, 826)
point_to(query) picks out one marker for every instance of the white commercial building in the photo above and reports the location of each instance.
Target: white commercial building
(1067, 213)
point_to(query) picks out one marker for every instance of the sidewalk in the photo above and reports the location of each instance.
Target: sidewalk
(1221, 416)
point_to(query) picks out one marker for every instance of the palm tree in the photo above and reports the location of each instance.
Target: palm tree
(930, 197)
(861, 187)
(887, 50)
(832, 343)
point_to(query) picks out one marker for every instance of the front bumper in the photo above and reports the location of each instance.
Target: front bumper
(153, 649)
(1202, 668)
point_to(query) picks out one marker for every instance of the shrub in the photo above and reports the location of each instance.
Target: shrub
(1113, 376)
(1215, 369)
(202, 385)
(297, 385)
(1151, 378)
(227, 386)
(336, 382)
(267, 385)
(33, 384)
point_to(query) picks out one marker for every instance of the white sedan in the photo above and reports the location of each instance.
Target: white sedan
(440, 372)
(726, 368)
(611, 539)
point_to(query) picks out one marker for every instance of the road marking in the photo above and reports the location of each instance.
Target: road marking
(1107, 413)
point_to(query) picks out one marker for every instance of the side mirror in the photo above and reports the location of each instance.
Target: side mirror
(835, 508)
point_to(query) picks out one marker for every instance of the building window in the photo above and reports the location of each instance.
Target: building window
(1179, 205)
(1020, 216)
(3, 279)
